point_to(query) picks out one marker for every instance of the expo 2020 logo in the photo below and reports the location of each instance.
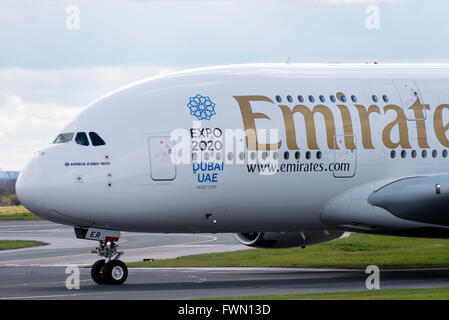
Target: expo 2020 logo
(201, 107)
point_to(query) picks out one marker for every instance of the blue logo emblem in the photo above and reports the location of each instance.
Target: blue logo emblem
(201, 107)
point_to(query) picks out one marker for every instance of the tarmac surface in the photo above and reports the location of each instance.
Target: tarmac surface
(192, 283)
(40, 272)
(65, 249)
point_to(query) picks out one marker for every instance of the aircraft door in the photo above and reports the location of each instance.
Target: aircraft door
(345, 159)
(162, 167)
(409, 94)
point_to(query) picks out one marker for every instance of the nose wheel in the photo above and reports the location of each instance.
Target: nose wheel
(96, 273)
(109, 270)
(115, 272)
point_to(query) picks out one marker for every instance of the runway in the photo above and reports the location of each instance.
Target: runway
(64, 249)
(39, 273)
(192, 283)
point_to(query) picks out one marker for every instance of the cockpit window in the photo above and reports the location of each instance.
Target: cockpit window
(81, 138)
(64, 138)
(96, 140)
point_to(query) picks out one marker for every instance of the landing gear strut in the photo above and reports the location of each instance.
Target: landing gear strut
(109, 270)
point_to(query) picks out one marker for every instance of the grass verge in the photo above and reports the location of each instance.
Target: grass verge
(354, 252)
(17, 213)
(18, 244)
(384, 294)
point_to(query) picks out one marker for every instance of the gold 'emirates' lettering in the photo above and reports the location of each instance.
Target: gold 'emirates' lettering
(365, 124)
(418, 110)
(310, 125)
(347, 126)
(347, 122)
(399, 125)
(250, 126)
(440, 129)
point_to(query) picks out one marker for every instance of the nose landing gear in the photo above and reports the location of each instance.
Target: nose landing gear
(109, 270)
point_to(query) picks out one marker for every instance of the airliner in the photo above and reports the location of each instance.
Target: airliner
(281, 155)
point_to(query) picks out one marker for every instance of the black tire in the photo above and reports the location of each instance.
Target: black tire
(96, 273)
(115, 272)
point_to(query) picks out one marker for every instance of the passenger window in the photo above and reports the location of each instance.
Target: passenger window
(81, 138)
(64, 138)
(96, 139)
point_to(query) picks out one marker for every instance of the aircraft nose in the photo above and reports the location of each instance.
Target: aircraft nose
(30, 186)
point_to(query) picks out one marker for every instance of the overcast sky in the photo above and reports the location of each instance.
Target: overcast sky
(50, 69)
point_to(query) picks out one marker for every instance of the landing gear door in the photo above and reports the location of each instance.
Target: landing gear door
(345, 159)
(161, 166)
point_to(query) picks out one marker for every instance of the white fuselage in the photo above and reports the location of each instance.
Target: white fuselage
(128, 184)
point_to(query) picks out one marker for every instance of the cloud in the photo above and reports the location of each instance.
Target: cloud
(24, 127)
(71, 86)
(36, 104)
(181, 34)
